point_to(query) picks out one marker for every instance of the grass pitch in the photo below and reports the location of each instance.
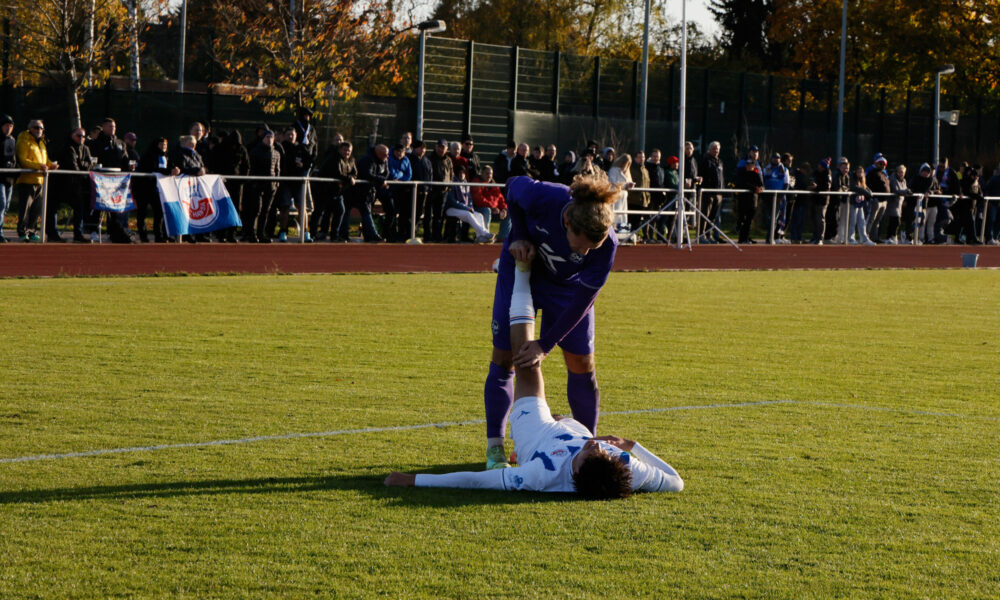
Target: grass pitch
(877, 479)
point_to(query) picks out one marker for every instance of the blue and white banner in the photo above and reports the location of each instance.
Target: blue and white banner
(194, 205)
(112, 193)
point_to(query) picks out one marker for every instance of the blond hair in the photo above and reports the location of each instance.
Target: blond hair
(592, 210)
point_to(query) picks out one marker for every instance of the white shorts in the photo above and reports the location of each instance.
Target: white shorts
(532, 427)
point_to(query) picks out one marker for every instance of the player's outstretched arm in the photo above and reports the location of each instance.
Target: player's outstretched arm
(661, 478)
(397, 479)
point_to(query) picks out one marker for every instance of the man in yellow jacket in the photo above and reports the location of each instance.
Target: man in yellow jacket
(31, 154)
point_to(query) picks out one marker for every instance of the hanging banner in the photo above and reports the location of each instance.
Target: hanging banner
(195, 205)
(112, 193)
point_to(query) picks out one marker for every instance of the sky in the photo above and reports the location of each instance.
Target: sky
(697, 11)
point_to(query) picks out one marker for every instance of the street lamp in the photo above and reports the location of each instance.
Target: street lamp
(427, 27)
(840, 87)
(942, 70)
(180, 68)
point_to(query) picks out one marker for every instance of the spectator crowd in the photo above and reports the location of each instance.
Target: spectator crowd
(837, 203)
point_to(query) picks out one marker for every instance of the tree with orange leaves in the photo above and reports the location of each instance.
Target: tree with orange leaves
(307, 53)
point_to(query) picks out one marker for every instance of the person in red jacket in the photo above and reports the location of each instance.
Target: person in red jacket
(489, 202)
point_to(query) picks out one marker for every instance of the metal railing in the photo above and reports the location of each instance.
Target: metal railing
(416, 185)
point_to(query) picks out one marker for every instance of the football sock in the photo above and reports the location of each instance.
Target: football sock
(584, 398)
(522, 309)
(498, 394)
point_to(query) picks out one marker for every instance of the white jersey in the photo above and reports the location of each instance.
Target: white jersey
(545, 450)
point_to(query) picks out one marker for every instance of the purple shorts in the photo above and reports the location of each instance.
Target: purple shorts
(550, 298)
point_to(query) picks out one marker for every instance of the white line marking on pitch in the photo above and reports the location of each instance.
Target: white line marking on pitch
(292, 436)
(338, 432)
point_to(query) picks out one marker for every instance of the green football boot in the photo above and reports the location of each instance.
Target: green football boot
(496, 458)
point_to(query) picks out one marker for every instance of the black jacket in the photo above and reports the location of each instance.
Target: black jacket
(306, 137)
(374, 173)
(292, 153)
(519, 166)
(73, 157)
(231, 158)
(712, 176)
(475, 165)
(187, 160)
(421, 168)
(878, 182)
(690, 170)
(749, 180)
(109, 151)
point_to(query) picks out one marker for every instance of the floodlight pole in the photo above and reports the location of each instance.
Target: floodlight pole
(644, 90)
(679, 219)
(426, 28)
(943, 70)
(420, 87)
(840, 88)
(180, 70)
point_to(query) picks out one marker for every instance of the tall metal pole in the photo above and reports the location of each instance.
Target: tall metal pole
(180, 69)
(644, 90)
(937, 119)
(840, 90)
(420, 87)
(681, 134)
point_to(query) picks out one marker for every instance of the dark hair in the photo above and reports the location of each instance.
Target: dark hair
(603, 477)
(108, 120)
(417, 144)
(460, 169)
(592, 210)
(511, 144)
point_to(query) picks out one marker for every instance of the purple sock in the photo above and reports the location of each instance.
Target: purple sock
(498, 395)
(584, 399)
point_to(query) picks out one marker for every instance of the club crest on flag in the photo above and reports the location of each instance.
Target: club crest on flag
(198, 201)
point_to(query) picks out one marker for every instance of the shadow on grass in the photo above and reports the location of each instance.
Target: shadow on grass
(371, 485)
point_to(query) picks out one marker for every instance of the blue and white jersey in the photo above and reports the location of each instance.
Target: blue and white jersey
(537, 209)
(776, 177)
(545, 449)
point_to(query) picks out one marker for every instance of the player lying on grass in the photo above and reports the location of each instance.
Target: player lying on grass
(557, 454)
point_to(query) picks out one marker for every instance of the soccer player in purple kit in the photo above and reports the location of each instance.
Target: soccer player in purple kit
(565, 234)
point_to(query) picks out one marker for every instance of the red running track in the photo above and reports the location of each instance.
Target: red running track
(50, 260)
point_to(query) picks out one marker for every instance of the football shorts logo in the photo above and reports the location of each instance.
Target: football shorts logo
(576, 257)
(518, 481)
(495, 327)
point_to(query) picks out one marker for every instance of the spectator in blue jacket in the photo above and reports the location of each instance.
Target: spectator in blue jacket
(8, 160)
(399, 170)
(776, 177)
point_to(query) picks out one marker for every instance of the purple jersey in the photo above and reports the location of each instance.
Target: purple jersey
(536, 210)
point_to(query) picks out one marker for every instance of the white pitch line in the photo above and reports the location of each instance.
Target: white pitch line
(908, 411)
(338, 432)
(292, 436)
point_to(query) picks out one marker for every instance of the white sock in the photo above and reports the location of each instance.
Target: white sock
(522, 308)
(494, 441)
